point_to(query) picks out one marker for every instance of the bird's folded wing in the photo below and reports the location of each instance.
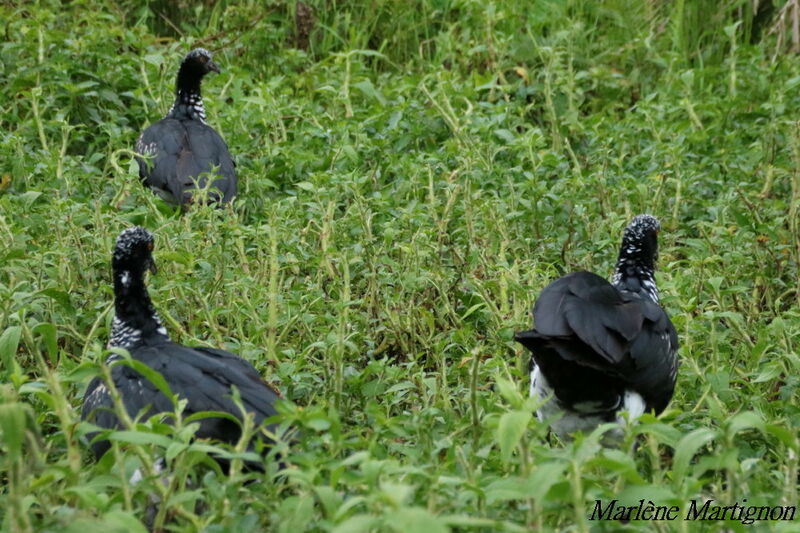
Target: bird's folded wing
(587, 306)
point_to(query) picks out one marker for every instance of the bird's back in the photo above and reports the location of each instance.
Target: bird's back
(599, 349)
(179, 151)
(203, 377)
(593, 342)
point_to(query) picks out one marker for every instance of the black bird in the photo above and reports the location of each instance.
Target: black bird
(204, 377)
(180, 147)
(599, 348)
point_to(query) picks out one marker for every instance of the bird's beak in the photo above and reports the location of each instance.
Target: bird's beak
(151, 266)
(213, 66)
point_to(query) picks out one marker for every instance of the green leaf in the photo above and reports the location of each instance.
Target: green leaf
(82, 372)
(62, 298)
(474, 523)
(115, 521)
(140, 437)
(9, 342)
(29, 197)
(174, 449)
(509, 391)
(507, 489)
(50, 338)
(349, 503)
(545, 476)
(659, 494)
(663, 433)
(329, 500)
(787, 436)
(397, 493)
(510, 429)
(154, 59)
(473, 309)
(687, 447)
(356, 524)
(183, 258)
(297, 512)
(504, 135)
(743, 421)
(366, 87)
(415, 520)
(12, 427)
(620, 463)
(768, 373)
(318, 423)
(202, 415)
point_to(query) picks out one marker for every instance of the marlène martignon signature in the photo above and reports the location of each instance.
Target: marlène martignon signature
(702, 510)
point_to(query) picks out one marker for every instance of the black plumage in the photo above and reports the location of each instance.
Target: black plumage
(599, 348)
(204, 377)
(180, 150)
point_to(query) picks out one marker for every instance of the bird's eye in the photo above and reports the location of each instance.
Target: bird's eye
(150, 246)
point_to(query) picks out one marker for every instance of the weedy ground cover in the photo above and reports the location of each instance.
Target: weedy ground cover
(411, 175)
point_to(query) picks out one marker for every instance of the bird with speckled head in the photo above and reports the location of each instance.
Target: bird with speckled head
(599, 349)
(207, 379)
(180, 157)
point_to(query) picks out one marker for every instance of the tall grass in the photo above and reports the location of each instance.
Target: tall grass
(408, 184)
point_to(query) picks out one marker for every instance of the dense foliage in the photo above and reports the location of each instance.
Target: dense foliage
(411, 175)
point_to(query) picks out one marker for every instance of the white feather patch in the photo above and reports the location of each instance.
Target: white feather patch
(564, 422)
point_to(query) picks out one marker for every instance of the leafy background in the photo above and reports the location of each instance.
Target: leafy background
(412, 174)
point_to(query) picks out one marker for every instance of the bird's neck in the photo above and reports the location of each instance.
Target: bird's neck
(135, 318)
(635, 276)
(188, 100)
(188, 106)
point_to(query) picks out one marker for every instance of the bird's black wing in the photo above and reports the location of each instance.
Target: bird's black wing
(138, 395)
(201, 377)
(587, 332)
(587, 306)
(205, 380)
(261, 395)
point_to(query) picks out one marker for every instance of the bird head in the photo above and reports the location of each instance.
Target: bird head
(640, 239)
(198, 62)
(133, 252)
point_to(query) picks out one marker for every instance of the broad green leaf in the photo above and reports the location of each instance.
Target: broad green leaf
(140, 437)
(660, 495)
(545, 476)
(743, 421)
(472, 310)
(787, 436)
(329, 500)
(415, 520)
(174, 449)
(50, 338)
(296, 512)
(356, 524)
(509, 391)
(687, 447)
(507, 489)
(12, 425)
(366, 87)
(510, 429)
(9, 342)
(29, 197)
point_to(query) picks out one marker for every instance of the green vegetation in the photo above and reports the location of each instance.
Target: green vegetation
(408, 183)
